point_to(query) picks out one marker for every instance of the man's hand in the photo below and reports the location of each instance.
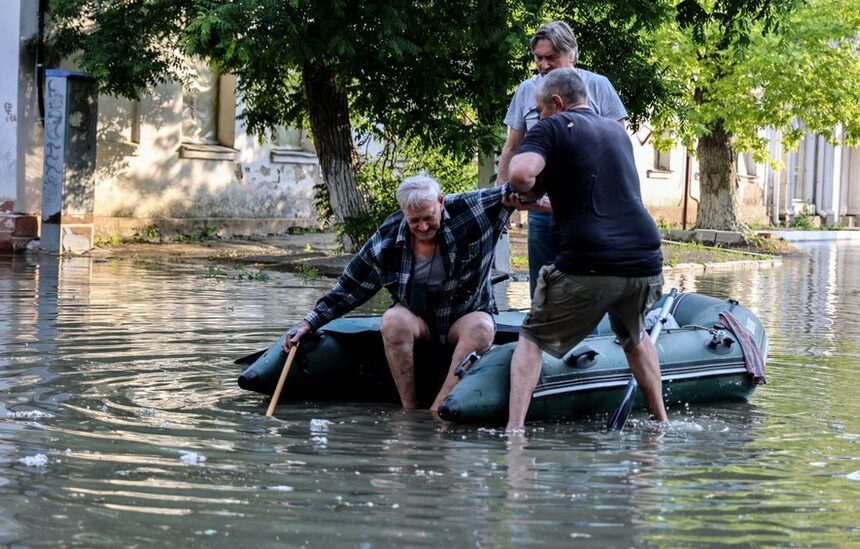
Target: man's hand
(528, 202)
(295, 334)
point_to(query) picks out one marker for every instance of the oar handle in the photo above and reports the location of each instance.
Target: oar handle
(664, 313)
(500, 278)
(619, 416)
(277, 394)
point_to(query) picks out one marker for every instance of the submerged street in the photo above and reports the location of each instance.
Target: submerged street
(122, 425)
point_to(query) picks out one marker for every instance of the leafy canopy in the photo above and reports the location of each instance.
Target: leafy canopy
(616, 39)
(418, 69)
(772, 65)
(438, 72)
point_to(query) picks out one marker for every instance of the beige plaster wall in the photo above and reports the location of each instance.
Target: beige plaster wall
(142, 181)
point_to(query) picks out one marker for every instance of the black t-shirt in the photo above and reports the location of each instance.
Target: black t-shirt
(591, 179)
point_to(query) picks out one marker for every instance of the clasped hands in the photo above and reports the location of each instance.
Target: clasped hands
(528, 201)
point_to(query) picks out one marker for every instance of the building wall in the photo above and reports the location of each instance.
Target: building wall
(663, 181)
(670, 183)
(19, 132)
(820, 179)
(9, 66)
(180, 160)
(851, 189)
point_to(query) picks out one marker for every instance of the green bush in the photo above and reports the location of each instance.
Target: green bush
(803, 221)
(379, 177)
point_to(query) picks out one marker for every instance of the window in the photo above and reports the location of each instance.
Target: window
(209, 116)
(292, 146)
(662, 161)
(134, 122)
(750, 165)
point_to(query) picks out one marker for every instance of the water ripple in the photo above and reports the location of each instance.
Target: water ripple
(123, 426)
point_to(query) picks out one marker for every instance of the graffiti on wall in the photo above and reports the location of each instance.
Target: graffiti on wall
(52, 183)
(9, 109)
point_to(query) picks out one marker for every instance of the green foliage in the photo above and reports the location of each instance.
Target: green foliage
(766, 245)
(754, 64)
(616, 39)
(379, 177)
(308, 272)
(440, 73)
(111, 240)
(148, 233)
(519, 263)
(204, 234)
(215, 272)
(242, 273)
(419, 69)
(356, 229)
(803, 221)
(434, 74)
(128, 46)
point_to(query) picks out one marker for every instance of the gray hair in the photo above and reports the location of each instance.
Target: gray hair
(566, 84)
(560, 35)
(414, 190)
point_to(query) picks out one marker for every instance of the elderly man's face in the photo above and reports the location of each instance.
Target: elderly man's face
(547, 58)
(424, 221)
(548, 109)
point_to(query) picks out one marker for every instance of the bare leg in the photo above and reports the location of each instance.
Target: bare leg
(645, 366)
(400, 330)
(525, 372)
(472, 332)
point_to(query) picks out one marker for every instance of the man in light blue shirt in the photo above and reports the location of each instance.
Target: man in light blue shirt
(553, 47)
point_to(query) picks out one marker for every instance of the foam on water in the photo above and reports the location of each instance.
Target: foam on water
(192, 458)
(38, 460)
(319, 425)
(29, 414)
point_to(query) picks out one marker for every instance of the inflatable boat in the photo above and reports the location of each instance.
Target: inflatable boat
(716, 354)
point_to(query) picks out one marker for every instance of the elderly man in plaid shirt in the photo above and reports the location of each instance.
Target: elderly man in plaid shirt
(434, 258)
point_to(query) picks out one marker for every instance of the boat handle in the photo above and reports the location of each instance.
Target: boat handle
(465, 364)
(580, 357)
(720, 343)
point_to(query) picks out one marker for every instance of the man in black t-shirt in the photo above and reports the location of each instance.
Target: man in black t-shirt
(609, 259)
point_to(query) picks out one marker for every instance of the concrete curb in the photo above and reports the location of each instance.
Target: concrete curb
(733, 237)
(814, 236)
(702, 268)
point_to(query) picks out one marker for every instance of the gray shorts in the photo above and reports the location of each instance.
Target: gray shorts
(566, 308)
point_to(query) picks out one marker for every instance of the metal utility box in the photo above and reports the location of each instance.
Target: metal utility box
(68, 185)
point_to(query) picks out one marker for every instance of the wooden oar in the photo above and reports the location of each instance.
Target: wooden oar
(619, 416)
(283, 378)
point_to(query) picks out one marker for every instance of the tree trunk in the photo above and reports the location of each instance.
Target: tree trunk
(329, 117)
(719, 207)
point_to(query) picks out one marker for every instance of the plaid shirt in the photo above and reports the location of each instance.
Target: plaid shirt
(471, 225)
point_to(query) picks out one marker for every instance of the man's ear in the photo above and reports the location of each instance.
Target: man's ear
(441, 198)
(558, 102)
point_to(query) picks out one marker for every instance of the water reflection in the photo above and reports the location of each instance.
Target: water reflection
(123, 426)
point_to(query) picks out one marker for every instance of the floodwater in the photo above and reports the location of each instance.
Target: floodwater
(121, 426)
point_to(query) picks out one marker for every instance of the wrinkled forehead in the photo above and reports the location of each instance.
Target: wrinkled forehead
(543, 47)
(426, 208)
